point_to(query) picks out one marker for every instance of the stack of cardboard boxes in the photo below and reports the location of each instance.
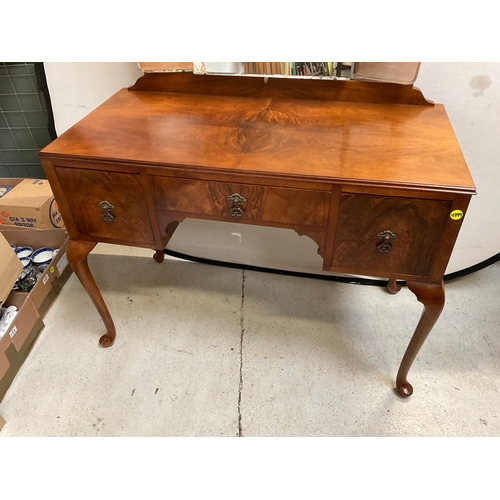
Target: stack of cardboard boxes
(29, 216)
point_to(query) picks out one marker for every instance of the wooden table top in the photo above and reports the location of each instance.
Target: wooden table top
(372, 144)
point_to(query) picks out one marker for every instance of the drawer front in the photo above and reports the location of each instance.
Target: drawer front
(126, 219)
(388, 235)
(210, 199)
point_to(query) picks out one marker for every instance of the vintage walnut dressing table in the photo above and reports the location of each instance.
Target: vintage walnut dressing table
(372, 172)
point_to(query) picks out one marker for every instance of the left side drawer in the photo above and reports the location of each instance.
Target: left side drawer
(126, 217)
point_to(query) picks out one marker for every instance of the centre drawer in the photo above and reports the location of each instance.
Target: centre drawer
(241, 202)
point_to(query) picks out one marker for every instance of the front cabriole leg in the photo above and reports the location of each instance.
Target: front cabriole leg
(432, 297)
(77, 257)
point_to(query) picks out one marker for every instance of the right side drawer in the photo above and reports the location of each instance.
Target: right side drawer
(386, 235)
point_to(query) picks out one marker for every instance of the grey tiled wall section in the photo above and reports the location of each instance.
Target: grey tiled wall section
(23, 122)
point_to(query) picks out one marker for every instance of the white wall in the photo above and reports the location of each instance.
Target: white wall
(78, 88)
(470, 92)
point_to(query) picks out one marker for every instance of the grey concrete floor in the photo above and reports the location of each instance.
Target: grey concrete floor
(211, 351)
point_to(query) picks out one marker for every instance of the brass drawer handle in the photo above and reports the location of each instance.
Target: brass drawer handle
(385, 245)
(237, 200)
(106, 215)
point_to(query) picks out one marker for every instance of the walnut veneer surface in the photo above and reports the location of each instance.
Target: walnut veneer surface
(371, 172)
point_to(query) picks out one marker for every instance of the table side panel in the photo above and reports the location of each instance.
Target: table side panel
(449, 236)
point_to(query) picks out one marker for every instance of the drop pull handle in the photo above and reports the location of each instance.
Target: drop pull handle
(386, 237)
(106, 215)
(237, 200)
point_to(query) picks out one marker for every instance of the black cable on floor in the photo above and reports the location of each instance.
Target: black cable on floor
(340, 279)
(473, 269)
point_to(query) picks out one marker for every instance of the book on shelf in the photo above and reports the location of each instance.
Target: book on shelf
(318, 69)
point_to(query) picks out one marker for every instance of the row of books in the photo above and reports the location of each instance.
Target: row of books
(263, 68)
(337, 69)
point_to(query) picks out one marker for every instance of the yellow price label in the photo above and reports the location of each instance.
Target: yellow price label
(456, 214)
(52, 269)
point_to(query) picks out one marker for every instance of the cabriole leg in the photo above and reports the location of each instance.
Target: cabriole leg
(77, 257)
(393, 286)
(159, 256)
(432, 297)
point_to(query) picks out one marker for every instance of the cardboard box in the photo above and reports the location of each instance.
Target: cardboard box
(4, 362)
(26, 334)
(2, 422)
(10, 268)
(28, 326)
(22, 334)
(25, 320)
(29, 203)
(37, 238)
(14, 346)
